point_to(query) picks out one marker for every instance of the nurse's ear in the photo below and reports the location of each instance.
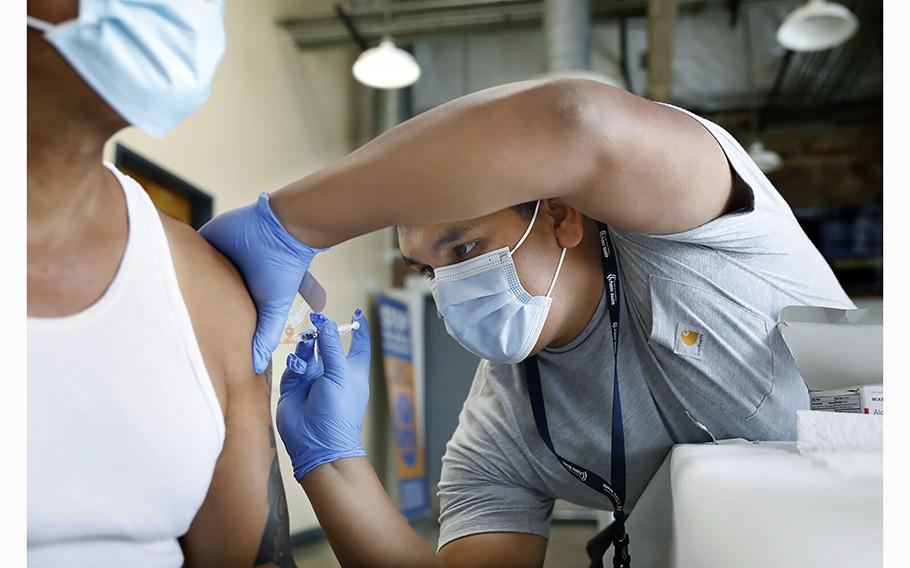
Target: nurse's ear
(567, 222)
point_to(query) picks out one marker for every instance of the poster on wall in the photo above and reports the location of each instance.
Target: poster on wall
(172, 195)
(398, 367)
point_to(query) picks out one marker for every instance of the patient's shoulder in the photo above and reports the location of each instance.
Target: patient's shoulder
(223, 315)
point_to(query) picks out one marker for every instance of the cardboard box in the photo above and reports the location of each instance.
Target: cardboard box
(868, 399)
(839, 355)
(872, 400)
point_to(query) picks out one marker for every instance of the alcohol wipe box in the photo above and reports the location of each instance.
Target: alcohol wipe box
(839, 355)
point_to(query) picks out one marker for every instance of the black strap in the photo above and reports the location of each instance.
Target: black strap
(615, 490)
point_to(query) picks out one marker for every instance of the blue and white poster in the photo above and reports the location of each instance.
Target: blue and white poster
(397, 361)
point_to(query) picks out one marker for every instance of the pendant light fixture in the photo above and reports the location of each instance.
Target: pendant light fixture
(766, 160)
(817, 25)
(386, 66)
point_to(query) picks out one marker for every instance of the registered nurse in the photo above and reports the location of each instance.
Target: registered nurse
(618, 264)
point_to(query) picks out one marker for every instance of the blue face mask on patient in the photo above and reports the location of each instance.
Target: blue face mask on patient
(485, 307)
(152, 60)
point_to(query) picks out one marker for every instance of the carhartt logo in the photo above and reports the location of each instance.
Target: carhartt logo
(689, 337)
(690, 341)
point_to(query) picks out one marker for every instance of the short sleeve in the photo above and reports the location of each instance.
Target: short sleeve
(482, 487)
(765, 225)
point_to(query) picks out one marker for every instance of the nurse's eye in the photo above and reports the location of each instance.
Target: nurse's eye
(465, 249)
(427, 271)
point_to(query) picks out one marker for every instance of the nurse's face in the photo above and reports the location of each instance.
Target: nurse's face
(428, 247)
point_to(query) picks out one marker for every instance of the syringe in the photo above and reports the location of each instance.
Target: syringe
(313, 334)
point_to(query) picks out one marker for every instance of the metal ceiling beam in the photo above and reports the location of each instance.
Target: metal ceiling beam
(782, 70)
(413, 19)
(422, 18)
(345, 19)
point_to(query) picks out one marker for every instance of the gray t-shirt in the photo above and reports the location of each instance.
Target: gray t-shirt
(697, 334)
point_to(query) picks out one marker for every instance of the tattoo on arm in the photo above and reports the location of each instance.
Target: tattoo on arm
(275, 546)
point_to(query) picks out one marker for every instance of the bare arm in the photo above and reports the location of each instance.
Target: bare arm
(365, 529)
(243, 520)
(616, 157)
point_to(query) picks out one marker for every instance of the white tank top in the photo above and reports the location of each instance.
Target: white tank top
(124, 426)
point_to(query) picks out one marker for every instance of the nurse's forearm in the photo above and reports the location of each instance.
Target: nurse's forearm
(361, 523)
(464, 159)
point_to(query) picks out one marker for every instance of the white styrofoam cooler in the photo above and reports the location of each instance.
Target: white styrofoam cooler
(764, 504)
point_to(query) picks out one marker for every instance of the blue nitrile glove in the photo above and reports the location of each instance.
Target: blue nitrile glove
(272, 263)
(322, 403)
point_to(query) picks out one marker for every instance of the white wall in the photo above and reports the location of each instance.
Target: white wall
(275, 115)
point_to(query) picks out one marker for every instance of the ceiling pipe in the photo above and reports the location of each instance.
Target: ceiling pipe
(567, 35)
(567, 39)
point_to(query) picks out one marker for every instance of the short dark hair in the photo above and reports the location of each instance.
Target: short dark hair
(526, 209)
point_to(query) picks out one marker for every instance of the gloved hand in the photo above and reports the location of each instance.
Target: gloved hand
(272, 263)
(322, 403)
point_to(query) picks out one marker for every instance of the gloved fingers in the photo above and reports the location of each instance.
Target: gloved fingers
(306, 350)
(269, 328)
(300, 373)
(261, 354)
(331, 352)
(296, 365)
(304, 357)
(302, 362)
(359, 353)
(222, 230)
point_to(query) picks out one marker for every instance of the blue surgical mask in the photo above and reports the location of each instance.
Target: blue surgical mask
(485, 307)
(152, 60)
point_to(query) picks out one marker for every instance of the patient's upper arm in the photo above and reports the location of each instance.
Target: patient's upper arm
(243, 520)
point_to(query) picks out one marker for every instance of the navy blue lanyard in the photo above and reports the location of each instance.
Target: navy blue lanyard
(615, 491)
